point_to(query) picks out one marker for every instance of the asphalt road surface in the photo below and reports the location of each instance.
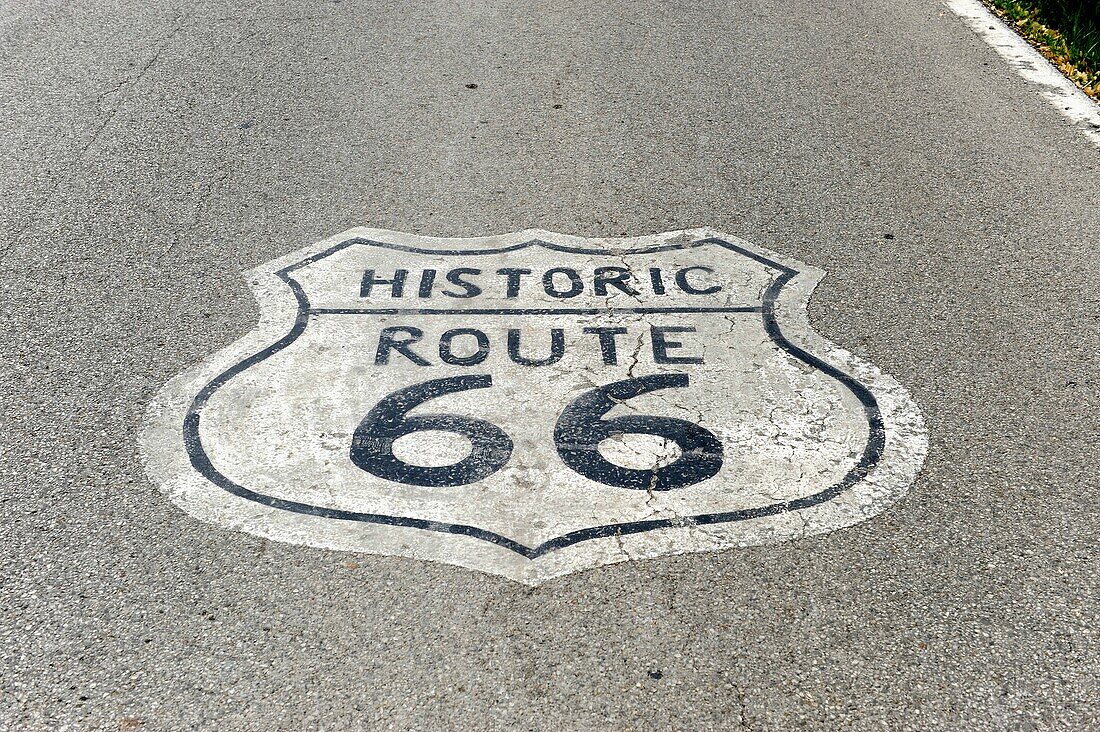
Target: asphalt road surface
(153, 151)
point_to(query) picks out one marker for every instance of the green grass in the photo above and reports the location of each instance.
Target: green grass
(1066, 31)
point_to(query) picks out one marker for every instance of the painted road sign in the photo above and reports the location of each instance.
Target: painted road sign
(534, 404)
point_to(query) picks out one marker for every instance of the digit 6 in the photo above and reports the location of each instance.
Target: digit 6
(581, 428)
(372, 443)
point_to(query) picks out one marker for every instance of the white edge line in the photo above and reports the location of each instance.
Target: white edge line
(1062, 94)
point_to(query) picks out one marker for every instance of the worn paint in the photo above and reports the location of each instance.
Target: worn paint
(533, 404)
(1060, 92)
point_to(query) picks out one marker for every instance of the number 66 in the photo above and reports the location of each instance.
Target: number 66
(577, 435)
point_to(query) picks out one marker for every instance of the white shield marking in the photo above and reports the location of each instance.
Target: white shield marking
(533, 404)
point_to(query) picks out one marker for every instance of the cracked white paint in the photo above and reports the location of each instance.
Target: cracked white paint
(282, 427)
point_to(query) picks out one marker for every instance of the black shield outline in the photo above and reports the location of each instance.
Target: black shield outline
(870, 456)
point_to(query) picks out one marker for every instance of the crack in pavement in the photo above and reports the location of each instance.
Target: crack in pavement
(129, 81)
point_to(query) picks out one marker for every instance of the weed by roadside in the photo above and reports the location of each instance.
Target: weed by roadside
(1065, 31)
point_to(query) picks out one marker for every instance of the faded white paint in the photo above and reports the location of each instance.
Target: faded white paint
(1070, 101)
(282, 426)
